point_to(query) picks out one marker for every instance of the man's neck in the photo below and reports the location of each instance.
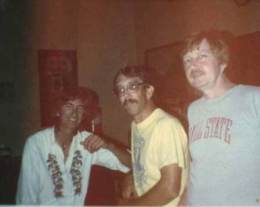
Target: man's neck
(219, 89)
(63, 135)
(145, 113)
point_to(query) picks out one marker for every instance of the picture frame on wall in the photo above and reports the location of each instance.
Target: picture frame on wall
(57, 72)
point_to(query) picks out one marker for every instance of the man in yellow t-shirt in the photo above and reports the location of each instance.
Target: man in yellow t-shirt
(158, 144)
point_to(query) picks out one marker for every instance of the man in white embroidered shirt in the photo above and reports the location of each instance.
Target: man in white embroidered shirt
(55, 165)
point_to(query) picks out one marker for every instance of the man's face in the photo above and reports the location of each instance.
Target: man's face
(132, 94)
(72, 113)
(202, 66)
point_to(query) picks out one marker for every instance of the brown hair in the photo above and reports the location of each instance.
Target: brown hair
(88, 97)
(139, 71)
(217, 40)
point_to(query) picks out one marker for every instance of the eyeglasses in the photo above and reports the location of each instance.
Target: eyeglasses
(131, 88)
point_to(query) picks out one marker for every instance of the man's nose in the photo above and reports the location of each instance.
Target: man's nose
(195, 64)
(124, 97)
(75, 110)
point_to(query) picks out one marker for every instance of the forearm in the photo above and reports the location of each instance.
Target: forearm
(158, 195)
(127, 187)
(164, 191)
(94, 142)
(121, 154)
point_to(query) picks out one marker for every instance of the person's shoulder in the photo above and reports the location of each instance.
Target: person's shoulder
(196, 103)
(40, 135)
(41, 132)
(250, 88)
(169, 127)
(167, 119)
(248, 91)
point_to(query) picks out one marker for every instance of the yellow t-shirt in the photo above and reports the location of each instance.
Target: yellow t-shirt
(158, 141)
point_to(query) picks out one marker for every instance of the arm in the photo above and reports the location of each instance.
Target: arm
(122, 155)
(28, 183)
(183, 198)
(169, 155)
(164, 191)
(94, 143)
(127, 187)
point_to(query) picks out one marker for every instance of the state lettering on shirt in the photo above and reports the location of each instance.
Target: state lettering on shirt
(214, 127)
(195, 132)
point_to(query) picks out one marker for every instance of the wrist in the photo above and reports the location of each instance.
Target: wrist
(110, 146)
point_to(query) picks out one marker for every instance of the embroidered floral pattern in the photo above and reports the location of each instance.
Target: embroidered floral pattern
(56, 175)
(76, 173)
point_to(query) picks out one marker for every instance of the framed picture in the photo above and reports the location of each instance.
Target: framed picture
(57, 72)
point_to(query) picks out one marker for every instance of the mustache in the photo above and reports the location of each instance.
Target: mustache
(129, 101)
(194, 73)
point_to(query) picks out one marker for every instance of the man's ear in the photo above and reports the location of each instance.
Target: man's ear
(149, 91)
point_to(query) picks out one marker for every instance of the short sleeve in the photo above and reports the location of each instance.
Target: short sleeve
(171, 143)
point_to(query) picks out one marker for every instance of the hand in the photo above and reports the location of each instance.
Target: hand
(122, 202)
(128, 188)
(93, 143)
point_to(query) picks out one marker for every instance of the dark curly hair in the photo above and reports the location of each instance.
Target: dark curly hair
(140, 71)
(88, 97)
